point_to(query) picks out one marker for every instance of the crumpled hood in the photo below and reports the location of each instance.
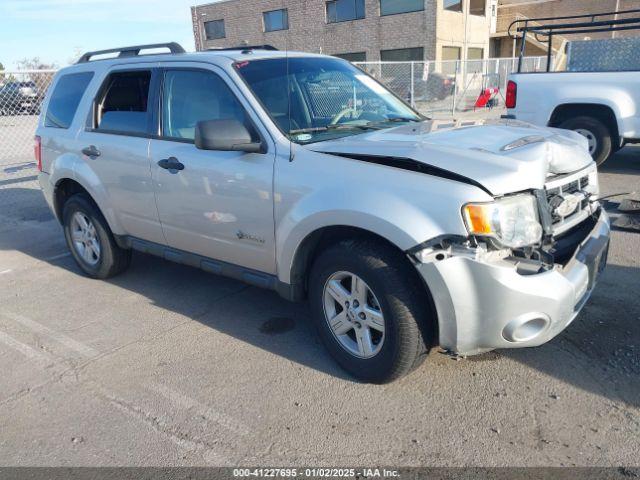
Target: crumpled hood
(504, 156)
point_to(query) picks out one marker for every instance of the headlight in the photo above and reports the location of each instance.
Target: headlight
(512, 221)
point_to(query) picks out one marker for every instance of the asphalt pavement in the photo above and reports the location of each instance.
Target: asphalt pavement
(168, 365)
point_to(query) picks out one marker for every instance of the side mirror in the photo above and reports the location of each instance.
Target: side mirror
(226, 135)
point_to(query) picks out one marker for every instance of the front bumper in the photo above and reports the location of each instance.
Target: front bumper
(483, 306)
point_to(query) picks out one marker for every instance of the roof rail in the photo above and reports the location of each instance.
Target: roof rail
(244, 48)
(132, 51)
(573, 24)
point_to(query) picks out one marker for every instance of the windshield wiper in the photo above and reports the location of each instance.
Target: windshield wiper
(337, 126)
(398, 120)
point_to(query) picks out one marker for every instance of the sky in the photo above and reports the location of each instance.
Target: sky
(58, 31)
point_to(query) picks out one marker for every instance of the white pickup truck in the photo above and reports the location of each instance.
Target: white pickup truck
(602, 106)
(597, 96)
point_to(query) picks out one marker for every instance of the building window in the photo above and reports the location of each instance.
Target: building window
(477, 7)
(392, 7)
(214, 29)
(475, 53)
(276, 20)
(452, 5)
(353, 57)
(344, 10)
(450, 53)
(403, 55)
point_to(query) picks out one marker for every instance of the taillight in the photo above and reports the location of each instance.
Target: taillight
(512, 94)
(37, 151)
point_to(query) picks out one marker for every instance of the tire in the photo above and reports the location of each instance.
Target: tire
(401, 299)
(595, 131)
(110, 259)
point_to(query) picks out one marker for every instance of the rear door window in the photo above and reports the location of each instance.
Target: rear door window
(123, 104)
(65, 99)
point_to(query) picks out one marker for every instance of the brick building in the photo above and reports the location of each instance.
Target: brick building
(388, 30)
(510, 10)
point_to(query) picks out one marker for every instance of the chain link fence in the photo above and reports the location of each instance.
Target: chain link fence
(452, 88)
(21, 94)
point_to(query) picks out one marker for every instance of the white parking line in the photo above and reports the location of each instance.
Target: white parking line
(6, 271)
(62, 339)
(188, 403)
(25, 349)
(57, 257)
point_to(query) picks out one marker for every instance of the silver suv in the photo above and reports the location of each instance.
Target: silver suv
(302, 174)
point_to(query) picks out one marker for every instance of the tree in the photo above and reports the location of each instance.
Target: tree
(35, 64)
(42, 78)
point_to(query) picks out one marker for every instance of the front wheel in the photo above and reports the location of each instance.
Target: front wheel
(597, 134)
(371, 310)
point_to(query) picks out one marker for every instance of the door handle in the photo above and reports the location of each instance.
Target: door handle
(171, 163)
(91, 151)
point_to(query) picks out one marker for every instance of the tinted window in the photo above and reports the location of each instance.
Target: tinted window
(65, 99)
(344, 10)
(191, 96)
(214, 29)
(403, 55)
(453, 5)
(477, 7)
(391, 7)
(123, 105)
(276, 20)
(353, 57)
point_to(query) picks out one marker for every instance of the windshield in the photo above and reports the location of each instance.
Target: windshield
(313, 99)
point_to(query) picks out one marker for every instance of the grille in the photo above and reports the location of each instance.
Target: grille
(572, 190)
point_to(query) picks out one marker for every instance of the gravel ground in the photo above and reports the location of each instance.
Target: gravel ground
(167, 365)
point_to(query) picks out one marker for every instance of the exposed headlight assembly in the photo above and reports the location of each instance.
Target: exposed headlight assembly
(512, 221)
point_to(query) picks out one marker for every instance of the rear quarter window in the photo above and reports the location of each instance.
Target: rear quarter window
(65, 99)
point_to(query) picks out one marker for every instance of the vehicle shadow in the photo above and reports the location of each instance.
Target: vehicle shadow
(253, 315)
(597, 353)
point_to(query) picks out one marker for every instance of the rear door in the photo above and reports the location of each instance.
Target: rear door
(115, 145)
(220, 205)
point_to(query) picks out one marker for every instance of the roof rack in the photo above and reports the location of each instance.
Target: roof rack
(132, 51)
(589, 23)
(243, 48)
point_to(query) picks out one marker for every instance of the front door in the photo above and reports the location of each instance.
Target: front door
(220, 205)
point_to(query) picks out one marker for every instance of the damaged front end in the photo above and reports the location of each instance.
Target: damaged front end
(543, 228)
(526, 268)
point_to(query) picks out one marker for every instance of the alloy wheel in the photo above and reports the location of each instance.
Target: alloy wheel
(353, 314)
(85, 238)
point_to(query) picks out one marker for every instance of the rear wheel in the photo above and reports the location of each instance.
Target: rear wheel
(597, 134)
(90, 239)
(370, 310)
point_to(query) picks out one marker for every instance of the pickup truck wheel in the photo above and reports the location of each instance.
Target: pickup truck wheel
(368, 308)
(597, 134)
(90, 239)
